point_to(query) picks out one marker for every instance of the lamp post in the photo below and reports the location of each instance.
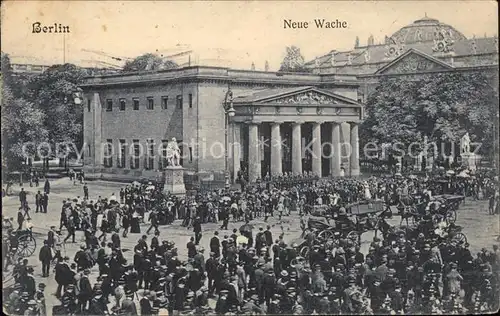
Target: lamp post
(228, 112)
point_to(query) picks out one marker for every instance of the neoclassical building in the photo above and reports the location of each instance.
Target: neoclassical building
(423, 47)
(281, 123)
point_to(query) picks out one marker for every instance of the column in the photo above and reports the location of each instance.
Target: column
(276, 163)
(236, 150)
(336, 153)
(354, 150)
(316, 148)
(97, 158)
(254, 167)
(296, 149)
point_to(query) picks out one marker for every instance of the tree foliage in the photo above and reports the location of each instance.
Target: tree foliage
(22, 125)
(293, 61)
(52, 92)
(441, 106)
(148, 62)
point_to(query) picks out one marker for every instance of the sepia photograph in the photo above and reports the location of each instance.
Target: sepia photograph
(250, 158)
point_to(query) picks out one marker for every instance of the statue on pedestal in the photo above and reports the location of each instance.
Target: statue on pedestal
(465, 144)
(173, 153)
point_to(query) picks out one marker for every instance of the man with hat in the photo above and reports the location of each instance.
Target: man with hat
(29, 283)
(40, 299)
(215, 244)
(251, 306)
(68, 300)
(32, 309)
(128, 307)
(146, 304)
(211, 268)
(268, 284)
(98, 304)
(222, 306)
(85, 291)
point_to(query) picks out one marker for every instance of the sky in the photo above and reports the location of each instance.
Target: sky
(230, 33)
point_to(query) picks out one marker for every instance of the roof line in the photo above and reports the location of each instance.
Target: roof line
(408, 52)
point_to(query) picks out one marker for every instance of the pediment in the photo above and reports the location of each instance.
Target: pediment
(297, 96)
(413, 61)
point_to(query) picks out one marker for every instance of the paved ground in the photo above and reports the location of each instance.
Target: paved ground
(480, 228)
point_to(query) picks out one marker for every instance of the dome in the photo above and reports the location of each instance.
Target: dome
(426, 29)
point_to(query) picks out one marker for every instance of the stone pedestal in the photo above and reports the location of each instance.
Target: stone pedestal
(469, 161)
(174, 181)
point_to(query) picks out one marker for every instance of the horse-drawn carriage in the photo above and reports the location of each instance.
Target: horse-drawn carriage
(350, 224)
(21, 243)
(439, 207)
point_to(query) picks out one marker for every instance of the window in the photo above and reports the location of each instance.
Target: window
(108, 154)
(122, 154)
(109, 105)
(190, 154)
(149, 165)
(163, 157)
(190, 101)
(179, 101)
(164, 102)
(151, 103)
(122, 104)
(136, 104)
(181, 153)
(89, 105)
(134, 160)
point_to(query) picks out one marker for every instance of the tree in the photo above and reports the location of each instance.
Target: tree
(441, 106)
(22, 129)
(148, 62)
(293, 61)
(52, 91)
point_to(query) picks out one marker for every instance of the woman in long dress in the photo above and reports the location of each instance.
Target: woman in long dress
(135, 228)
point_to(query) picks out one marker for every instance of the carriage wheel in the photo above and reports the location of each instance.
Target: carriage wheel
(354, 236)
(304, 251)
(451, 216)
(325, 235)
(460, 238)
(26, 247)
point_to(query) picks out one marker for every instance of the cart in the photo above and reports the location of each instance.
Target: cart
(22, 244)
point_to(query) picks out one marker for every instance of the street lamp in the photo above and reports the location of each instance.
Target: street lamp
(228, 112)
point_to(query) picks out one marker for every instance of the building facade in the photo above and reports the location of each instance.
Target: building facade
(424, 46)
(281, 123)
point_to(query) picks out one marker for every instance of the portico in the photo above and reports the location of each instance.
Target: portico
(295, 130)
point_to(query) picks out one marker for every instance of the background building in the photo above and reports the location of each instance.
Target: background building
(426, 45)
(129, 118)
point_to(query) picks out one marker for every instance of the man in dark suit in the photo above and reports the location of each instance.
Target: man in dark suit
(45, 202)
(128, 307)
(29, 282)
(85, 293)
(215, 244)
(197, 230)
(153, 218)
(38, 201)
(22, 198)
(145, 303)
(45, 258)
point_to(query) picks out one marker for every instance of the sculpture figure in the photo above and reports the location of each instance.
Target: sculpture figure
(173, 153)
(465, 144)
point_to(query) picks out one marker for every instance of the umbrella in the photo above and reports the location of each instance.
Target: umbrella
(450, 172)
(136, 183)
(226, 198)
(241, 240)
(150, 187)
(246, 228)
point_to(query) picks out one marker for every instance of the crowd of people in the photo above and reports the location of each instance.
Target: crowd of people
(402, 273)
